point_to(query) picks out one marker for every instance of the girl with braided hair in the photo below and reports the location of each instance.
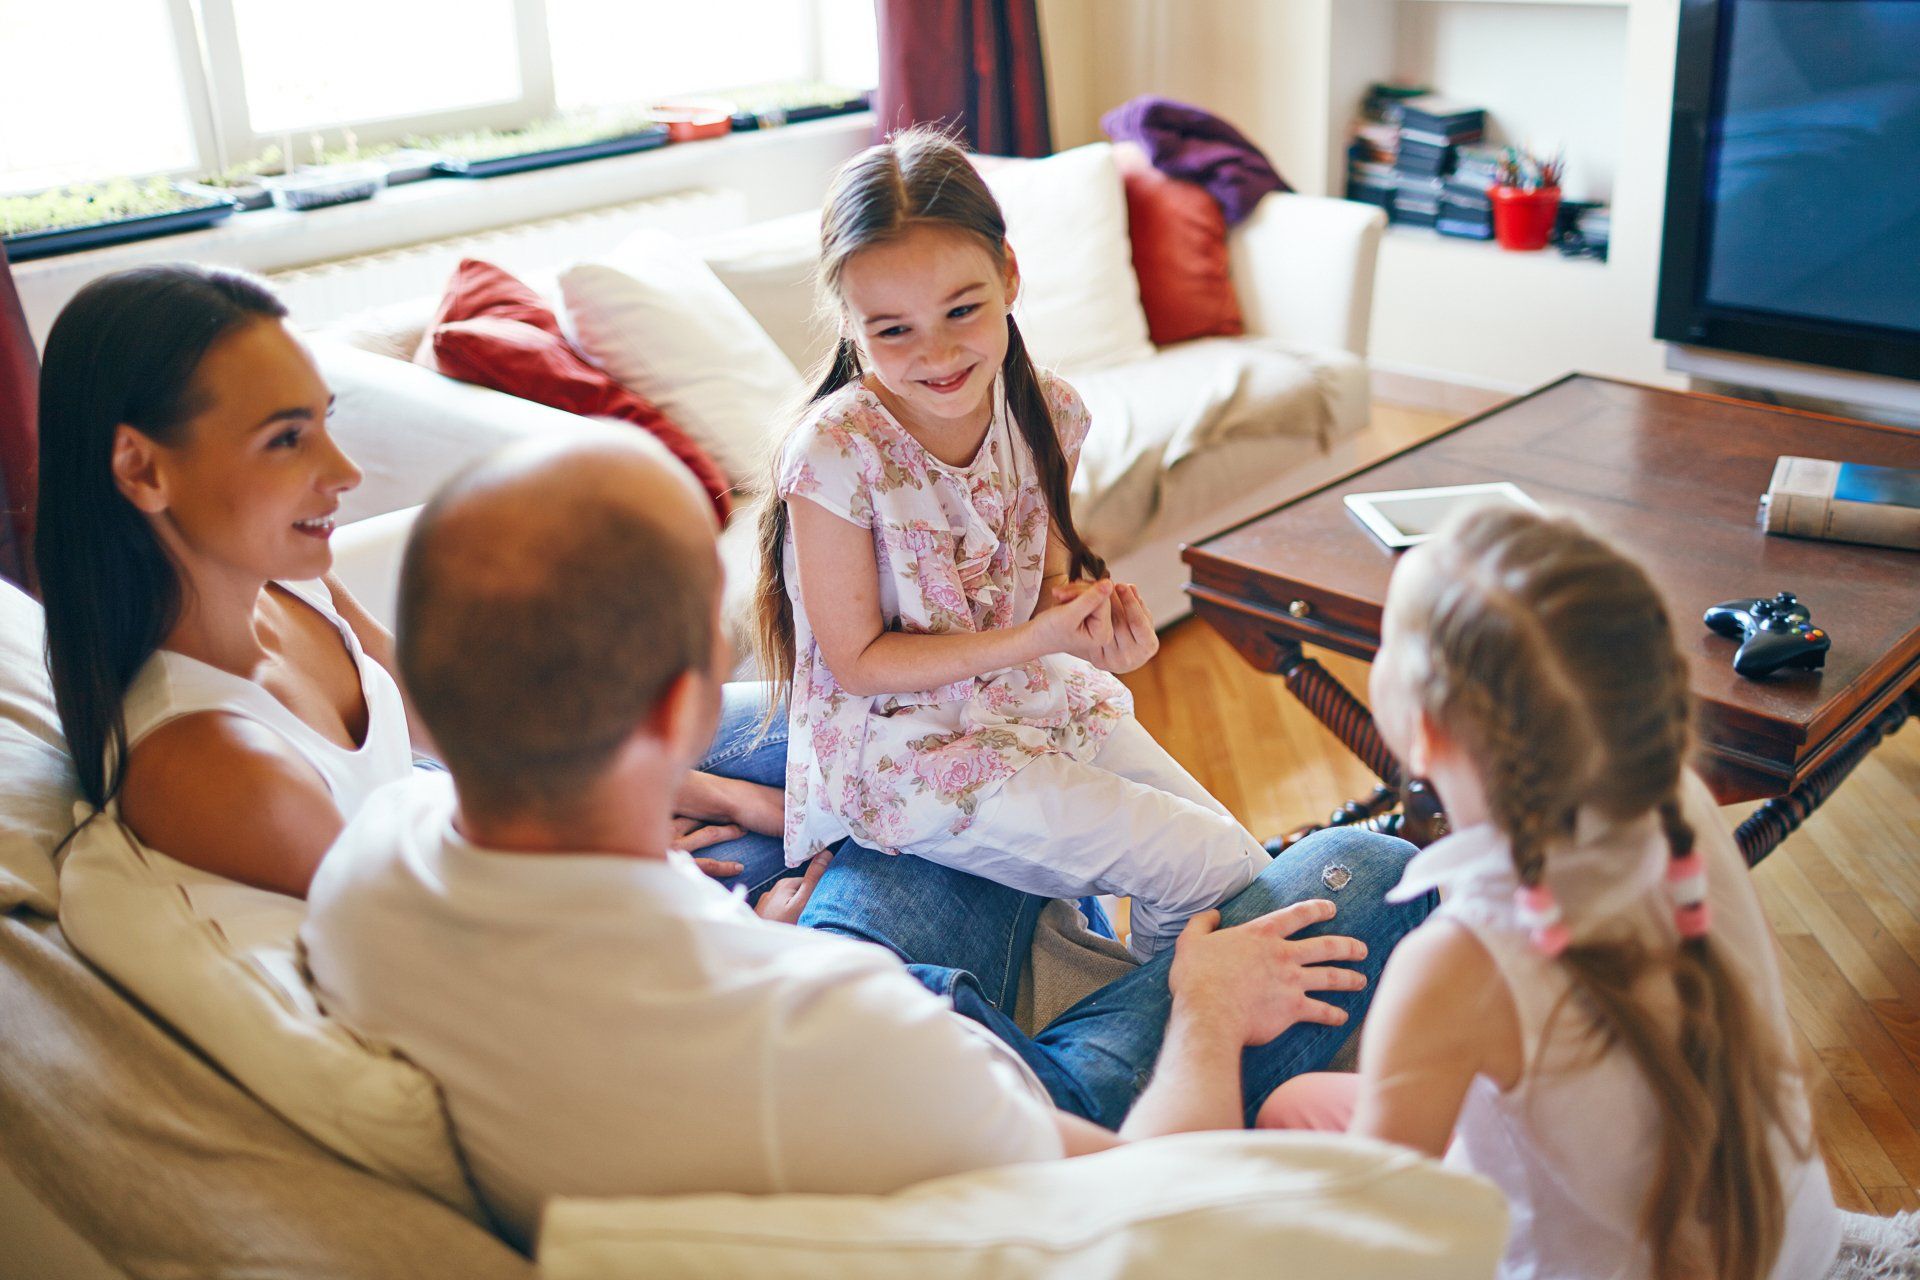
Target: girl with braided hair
(1594, 1017)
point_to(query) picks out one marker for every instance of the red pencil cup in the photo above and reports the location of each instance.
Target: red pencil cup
(1524, 219)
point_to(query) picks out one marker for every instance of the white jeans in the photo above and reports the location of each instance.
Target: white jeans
(1129, 822)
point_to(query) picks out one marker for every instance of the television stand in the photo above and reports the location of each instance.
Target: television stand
(1893, 401)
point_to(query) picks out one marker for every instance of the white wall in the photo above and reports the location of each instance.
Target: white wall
(1598, 77)
(1256, 63)
(1551, 76)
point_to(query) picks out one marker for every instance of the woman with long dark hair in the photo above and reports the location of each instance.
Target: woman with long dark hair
(229, 701)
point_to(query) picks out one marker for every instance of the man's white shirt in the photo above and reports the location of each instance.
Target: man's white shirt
(607, 1026)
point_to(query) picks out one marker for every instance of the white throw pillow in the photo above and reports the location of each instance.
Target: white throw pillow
(1218, 1205)
(657, 319)
(769, 267)
(1079, 304)
(37, 784)
(218, 962)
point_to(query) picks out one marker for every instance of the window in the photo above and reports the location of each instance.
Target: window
(191, 86)
(849, 45)
(630, 52)
(127, 114)
(350, 61)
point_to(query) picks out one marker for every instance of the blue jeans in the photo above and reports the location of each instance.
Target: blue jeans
(969, 939)
(737, 754)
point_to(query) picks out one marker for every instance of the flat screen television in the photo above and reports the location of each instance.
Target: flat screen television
(1793, 184)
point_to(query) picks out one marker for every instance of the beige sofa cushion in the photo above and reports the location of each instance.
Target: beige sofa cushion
(410, 429)
(1218, 1205)
(1158, 421)
(1079, 305)
(769, 267)
(37, 784)
(393, 331)
(658, 320)
(217, 961)
(150, 1152)
(740, 563)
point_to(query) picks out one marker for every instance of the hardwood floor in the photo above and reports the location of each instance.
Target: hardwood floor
(1843, 893)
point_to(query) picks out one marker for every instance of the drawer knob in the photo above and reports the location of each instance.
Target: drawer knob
(1299, 609)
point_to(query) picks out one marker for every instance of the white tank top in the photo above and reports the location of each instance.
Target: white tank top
(1574, 1146)
(171, 685)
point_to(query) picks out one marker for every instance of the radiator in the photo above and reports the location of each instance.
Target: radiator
(331, 292)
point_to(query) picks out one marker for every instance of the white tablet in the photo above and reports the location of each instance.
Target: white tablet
(1403, 517)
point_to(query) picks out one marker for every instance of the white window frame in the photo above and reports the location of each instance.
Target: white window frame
(207, 48)
(220, 84)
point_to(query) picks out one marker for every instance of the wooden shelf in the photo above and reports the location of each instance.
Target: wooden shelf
(1414, 242)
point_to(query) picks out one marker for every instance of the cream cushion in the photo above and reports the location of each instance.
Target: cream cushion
(1067, 222)
(1079, 305)
(1159, 425)
(659, 321)
(37, 784)
(217, 961)
(410, 429)
(1217, 1205)
(367, 555)
(769, 267)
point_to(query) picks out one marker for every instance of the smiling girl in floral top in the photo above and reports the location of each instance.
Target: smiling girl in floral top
(947, 639)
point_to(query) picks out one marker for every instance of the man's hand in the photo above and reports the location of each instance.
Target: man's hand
(714, 810)
(1132, 641)
(691, 834)
(785, 899)
(1255, 976)
(1233, 988)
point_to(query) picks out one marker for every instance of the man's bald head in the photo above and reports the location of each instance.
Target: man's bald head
(549, 596)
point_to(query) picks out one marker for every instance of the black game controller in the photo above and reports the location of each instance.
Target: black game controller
(1776, 634)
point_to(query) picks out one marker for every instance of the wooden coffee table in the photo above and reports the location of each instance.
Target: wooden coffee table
(1675, 480)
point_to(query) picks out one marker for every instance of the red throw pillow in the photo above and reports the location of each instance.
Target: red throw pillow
(1179, 240)
(493, 331)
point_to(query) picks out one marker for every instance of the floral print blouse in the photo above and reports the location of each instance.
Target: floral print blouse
(958, 549)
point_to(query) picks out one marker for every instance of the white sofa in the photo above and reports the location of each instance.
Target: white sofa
(213, 1142)
(1187, 440)
(169, 1168)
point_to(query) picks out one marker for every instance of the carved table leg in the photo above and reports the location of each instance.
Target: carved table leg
(1781, 816)
(1420, 819)
(1316, 689)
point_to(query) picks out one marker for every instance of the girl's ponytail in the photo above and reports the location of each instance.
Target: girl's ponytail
(1027, 401)
(1734, 1082)
(773, 610)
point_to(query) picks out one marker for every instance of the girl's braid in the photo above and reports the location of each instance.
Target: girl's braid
(1552, 659)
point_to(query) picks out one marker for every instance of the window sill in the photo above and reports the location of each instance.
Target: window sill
(780, 171)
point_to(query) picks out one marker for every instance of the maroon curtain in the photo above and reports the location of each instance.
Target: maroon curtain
(971, 63)
(19, 396)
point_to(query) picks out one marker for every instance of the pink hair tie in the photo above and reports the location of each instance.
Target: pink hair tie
(1687, 879)
(1687, 885)
(1693, 920)
(1539, 913)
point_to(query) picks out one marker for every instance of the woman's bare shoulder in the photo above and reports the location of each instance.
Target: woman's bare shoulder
(228, 795)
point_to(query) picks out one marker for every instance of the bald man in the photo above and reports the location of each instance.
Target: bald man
(604, 1019)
